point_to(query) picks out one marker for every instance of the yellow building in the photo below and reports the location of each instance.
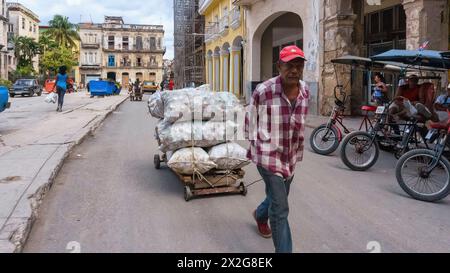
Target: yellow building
(224, 36)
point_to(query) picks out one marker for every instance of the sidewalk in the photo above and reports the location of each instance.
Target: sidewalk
(31, 155)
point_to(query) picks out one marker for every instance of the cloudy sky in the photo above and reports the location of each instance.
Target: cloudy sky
(134, 12)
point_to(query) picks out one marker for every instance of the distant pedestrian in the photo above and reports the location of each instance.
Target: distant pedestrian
(380, 90)
(162, 84)
(61, 83)
(171, 85)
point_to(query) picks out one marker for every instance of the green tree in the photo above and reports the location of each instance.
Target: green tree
(25, 49)
(63, 32)
(61, 56)
(46, 42)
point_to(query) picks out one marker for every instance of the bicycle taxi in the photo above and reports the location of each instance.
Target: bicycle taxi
(360, 149)
(424, 174)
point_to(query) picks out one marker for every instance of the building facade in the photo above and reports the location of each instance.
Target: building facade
(3, 41)
(367, 28)
(121, 52)
(325, 29)
(23, 22)
(189, 44)
(168, 69)
(225, 35)
(271, 25)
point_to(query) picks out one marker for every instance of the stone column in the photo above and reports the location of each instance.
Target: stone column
(236, 70)
(225, 71)
(338, 28)
(216, 72)
(426, 20)
(209, 70)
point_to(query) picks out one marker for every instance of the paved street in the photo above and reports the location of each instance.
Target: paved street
(34, 140)
(109, 198)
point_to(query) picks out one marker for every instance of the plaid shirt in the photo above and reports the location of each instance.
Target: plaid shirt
(275, 129)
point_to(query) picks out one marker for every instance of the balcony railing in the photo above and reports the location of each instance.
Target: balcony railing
(139, 65)
(244, 2)
(212, 33)
(90, 45)
(224, 25)
(235, 20)
(134, 48)
(134, 27)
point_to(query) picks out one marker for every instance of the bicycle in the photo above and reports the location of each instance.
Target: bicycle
(424, 174)
(360, 149)
(326, 138)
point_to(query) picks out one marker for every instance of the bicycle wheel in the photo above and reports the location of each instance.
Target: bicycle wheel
(359, 152)
(324, 140)
(420, 186)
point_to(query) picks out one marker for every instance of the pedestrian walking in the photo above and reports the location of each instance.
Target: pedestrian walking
(61, 83)
(274, 125)
(171, 84)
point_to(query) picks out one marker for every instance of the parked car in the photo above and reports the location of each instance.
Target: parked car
(25, 87)
(149, 86)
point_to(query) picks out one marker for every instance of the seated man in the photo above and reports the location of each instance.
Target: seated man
(442, 104)
(412, 92)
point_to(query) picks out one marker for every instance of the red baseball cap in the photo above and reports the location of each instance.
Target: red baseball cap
(289, 53)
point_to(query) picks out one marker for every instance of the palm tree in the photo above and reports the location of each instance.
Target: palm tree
(25, 49)
(63, 32)
(46, 42)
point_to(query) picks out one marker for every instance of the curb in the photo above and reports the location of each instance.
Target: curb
(17, 228)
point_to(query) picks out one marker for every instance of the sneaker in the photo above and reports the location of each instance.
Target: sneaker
(263, 228)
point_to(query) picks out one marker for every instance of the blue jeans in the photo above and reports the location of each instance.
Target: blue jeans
(275, 208)
(61, 92)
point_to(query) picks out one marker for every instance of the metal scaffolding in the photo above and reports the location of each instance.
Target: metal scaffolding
(189, 44)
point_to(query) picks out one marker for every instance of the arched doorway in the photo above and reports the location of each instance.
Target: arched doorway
(237, 64)
(125, 80)
(152, 77)
(111, 76)
(278, 30)
(225, 60)
(140, 76)
(283, 31)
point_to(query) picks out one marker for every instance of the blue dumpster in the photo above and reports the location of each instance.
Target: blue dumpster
(101, 88)
(116, 89)
(4, 97)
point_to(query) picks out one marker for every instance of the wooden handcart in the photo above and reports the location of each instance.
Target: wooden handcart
(210, 183)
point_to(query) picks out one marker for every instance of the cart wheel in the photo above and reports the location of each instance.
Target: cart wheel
(187, 193)
(243, 189)
(157, 162)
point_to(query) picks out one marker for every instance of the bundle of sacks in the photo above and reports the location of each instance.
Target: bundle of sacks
(196, 127)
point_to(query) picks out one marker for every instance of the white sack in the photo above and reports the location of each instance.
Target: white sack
(156, 106)
(229, 156)
(199, 134)
(193, 104)
(186, 160)
(51, 98)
